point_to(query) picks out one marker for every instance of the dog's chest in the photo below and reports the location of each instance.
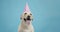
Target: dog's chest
(27, 30)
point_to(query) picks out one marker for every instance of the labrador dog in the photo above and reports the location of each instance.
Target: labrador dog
(26, 23)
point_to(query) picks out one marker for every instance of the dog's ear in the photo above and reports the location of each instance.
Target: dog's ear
(32, 18)
(21, 17)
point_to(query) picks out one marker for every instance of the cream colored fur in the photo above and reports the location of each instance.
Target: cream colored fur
(23, 27)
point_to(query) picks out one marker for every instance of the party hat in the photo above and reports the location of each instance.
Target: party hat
(26, 9)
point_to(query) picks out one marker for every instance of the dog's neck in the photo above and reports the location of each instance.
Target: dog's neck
(24, 26)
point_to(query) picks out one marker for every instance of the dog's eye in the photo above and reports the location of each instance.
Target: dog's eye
(30, 14)
(25, 13)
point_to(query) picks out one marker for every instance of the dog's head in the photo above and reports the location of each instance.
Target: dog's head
(27, 18)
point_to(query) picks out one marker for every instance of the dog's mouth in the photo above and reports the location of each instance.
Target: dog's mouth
(27, 20)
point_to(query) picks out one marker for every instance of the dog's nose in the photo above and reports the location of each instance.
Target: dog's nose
(28, 16)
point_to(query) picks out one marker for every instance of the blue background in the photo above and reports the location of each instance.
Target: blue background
(46, 15)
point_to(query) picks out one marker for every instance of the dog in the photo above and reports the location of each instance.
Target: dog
(26, 23)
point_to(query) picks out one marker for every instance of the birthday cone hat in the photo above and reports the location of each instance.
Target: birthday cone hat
(26, 9)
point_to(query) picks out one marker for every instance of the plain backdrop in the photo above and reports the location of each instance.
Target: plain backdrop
(46, 15)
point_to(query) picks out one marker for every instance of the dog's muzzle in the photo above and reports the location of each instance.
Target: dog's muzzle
(28, 18)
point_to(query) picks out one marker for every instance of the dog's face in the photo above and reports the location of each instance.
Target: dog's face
(27, 18)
